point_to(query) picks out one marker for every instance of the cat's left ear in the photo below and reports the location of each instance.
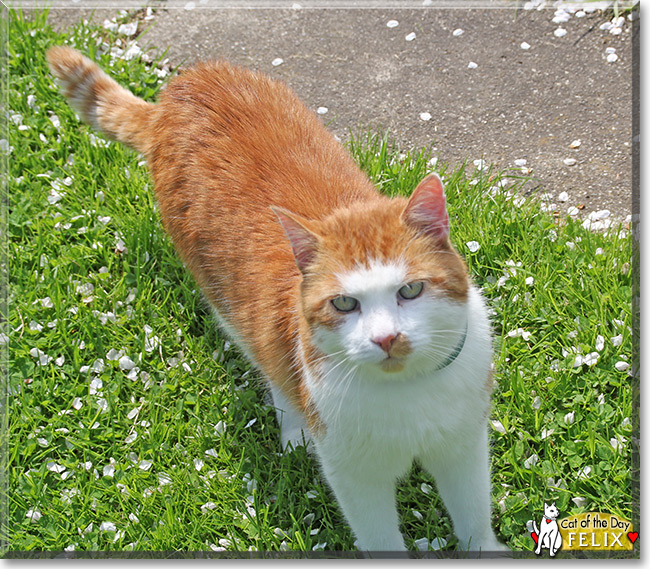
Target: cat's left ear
(304, 242)
(426, 210)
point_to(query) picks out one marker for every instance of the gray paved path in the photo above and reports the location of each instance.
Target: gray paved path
(510, 104)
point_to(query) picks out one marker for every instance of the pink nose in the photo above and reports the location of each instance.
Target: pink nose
(386, 343)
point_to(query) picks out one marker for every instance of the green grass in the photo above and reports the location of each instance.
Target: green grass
(181, 452)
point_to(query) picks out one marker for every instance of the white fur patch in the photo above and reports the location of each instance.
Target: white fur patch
(377, 277)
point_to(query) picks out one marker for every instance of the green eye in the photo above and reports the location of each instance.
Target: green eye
(345, 303)
(411, 290)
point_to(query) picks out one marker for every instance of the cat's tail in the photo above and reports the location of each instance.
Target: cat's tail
(101, 101)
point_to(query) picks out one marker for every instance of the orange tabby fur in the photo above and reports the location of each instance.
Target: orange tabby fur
(224, 144)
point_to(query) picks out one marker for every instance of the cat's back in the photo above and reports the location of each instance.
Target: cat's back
(228, 144)
(231, 132)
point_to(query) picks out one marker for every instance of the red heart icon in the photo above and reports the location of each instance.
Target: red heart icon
(633, 536)
(536, 537)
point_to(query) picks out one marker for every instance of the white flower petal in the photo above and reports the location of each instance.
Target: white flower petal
(584, 472)
(531, 461)
(54, 467)
(592, 358)
(208, 506)
(126, 363)
(579, 501)
(422, 544)
(95, 385)
(438, 543)
(33, 515)
(107, 526)
(98, 367)
(220, 428)
(546, 433)
(128, 29)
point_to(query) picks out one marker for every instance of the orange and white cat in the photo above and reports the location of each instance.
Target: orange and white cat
(355, 307)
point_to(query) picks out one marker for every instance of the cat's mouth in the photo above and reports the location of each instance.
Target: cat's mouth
(392, 364)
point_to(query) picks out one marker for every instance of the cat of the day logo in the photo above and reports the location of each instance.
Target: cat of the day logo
(595, 531)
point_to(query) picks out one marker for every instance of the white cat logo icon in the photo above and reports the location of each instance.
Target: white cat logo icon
(548, 535)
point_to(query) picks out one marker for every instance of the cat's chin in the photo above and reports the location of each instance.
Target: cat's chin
(393, 365)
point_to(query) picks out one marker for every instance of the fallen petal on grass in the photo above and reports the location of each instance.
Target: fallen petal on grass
(33, 515)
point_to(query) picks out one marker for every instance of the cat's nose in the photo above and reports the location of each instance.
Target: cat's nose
(386, 342)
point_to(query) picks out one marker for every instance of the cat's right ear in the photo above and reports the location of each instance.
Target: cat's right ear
(426, 210)
(304, 242)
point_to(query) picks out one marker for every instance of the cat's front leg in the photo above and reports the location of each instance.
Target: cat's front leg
(366, 493)
(462, 474)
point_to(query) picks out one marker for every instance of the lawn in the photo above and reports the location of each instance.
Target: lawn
(132, 423)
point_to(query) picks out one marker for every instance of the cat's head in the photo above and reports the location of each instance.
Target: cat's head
(382, 286)
(550, 511)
